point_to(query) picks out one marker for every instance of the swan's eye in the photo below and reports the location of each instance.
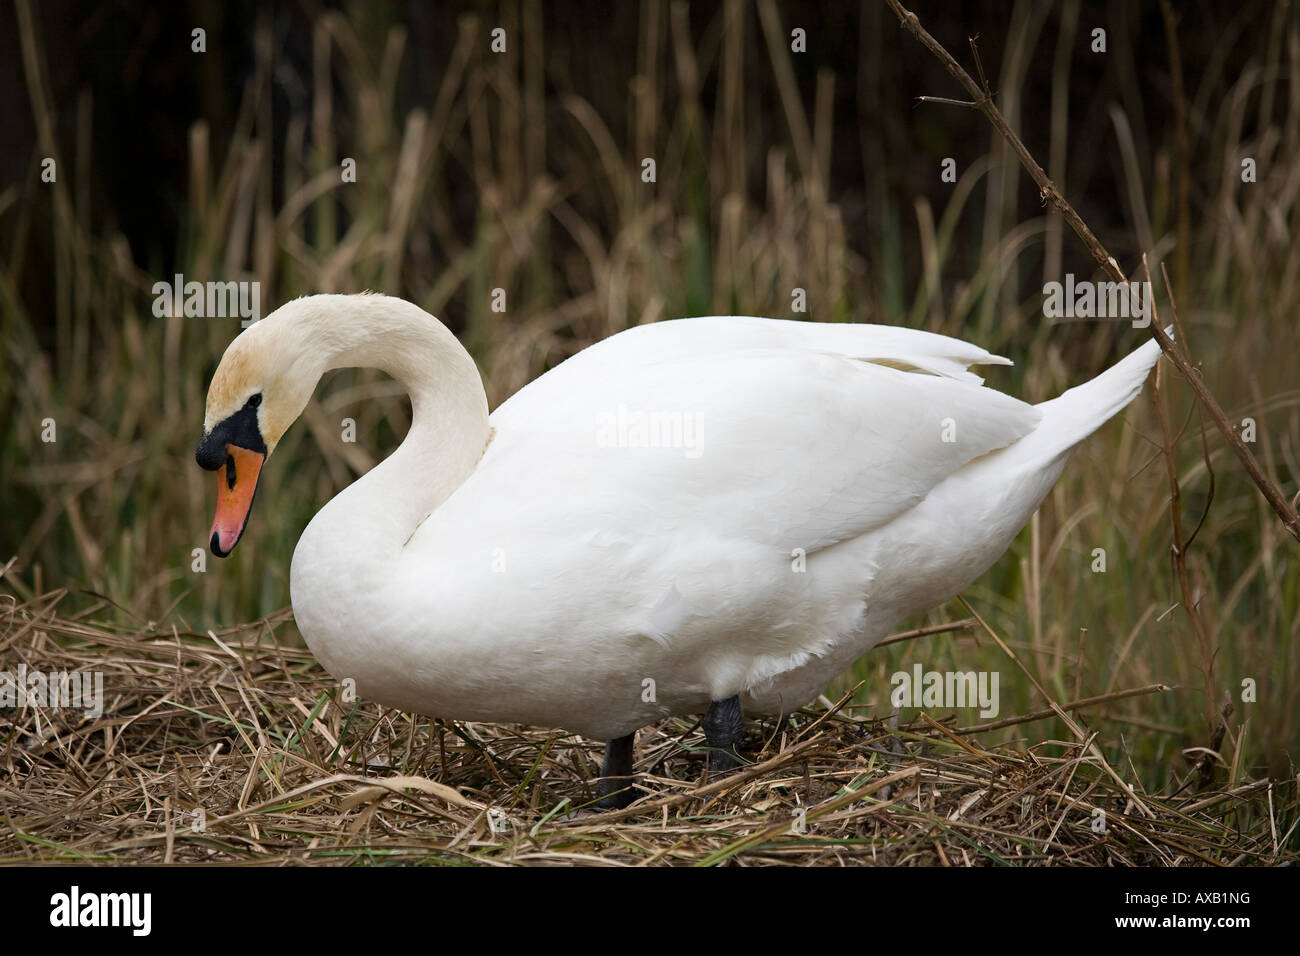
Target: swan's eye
(254, 401)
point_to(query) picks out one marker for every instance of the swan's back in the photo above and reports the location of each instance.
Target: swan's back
(793, 435)
(710, 335)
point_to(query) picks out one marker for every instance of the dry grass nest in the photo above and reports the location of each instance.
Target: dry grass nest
(232, 747)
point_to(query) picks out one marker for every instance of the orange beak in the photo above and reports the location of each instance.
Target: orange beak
(236, 487)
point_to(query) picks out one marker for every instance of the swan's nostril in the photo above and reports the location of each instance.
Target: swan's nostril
(230, 472)
(210, 451)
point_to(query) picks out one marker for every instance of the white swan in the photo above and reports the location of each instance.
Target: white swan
(546, 564)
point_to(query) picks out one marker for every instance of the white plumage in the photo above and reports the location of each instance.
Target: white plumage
(541, 566)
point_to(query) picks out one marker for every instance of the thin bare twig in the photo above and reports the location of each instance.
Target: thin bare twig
(1285, 511)
(1178, 551)
(1071, 706)
(965, 624)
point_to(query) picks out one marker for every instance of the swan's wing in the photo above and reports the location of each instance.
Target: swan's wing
(581, 545)
(908, 349)
(782, 447)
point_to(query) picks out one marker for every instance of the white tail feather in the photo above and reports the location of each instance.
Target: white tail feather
(1080, 411)
(1075, 414)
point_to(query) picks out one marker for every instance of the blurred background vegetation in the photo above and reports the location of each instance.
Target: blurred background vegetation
(776, 169)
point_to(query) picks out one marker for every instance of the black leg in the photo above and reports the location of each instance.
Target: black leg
(722, 729)
(615, 784)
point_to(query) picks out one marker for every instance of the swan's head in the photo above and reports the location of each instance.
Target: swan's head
(261, 386)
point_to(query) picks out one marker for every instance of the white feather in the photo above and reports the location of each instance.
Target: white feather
(565, 580)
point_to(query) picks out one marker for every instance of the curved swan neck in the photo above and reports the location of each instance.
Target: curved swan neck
(449, 413)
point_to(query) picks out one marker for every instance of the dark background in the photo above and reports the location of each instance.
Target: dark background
(144, 88)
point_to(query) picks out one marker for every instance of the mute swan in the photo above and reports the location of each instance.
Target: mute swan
(690, 516)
